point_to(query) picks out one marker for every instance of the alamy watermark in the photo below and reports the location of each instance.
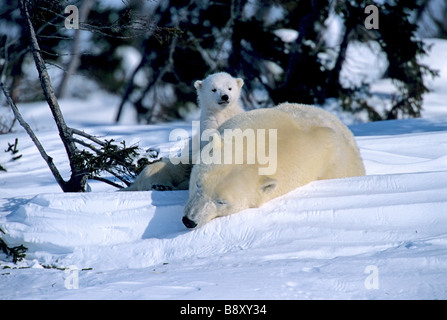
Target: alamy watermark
(72, 277)
(372, 280)
(227, 148)
(72, 21)
(372, 21)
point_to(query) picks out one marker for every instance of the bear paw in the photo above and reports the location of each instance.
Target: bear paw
(160, 187)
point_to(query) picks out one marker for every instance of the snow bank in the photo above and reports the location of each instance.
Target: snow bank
(144, 228)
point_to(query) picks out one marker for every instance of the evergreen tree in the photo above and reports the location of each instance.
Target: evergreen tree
(182, 41)
(240, 37)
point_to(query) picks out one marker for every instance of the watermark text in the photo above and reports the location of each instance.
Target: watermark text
(234, 146)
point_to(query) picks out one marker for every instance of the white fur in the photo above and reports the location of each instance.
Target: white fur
(164, 175)
(210, 93)
(312, 145)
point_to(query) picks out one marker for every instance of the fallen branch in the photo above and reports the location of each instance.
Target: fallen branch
(18, 253)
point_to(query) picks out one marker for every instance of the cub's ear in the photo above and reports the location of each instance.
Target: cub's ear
(198, 84)
(268, 185)
(239, 82)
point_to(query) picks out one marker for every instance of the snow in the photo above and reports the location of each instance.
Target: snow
(286, 35)
(365, 63)
(381, 236)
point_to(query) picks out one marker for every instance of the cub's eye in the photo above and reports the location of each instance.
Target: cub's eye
(198, 185)
(230, 89)
(214, 90)
(221, 202)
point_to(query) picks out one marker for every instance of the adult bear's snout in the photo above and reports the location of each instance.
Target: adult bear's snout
(189, 223)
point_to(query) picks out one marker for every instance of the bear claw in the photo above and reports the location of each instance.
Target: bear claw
(160, 187)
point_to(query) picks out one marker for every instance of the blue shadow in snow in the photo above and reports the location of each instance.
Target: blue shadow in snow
(396, 127)
(167, 220)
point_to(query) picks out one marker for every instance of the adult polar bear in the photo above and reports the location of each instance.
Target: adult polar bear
(311, 144)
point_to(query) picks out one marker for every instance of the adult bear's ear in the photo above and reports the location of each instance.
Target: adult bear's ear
(239, 82)
(268, 185)
(198, 84)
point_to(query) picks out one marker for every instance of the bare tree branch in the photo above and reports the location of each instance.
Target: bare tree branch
(78, 178)
(88, 145)
(34, 138)
(76, 51)
(107, 181)
(88, 136)
(130, 86)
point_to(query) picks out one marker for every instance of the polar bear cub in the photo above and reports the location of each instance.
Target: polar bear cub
(218, 96)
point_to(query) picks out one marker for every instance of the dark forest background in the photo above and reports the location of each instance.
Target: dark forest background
(296, 51)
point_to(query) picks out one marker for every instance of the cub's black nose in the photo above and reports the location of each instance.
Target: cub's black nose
(224, 97)
(189, 223)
